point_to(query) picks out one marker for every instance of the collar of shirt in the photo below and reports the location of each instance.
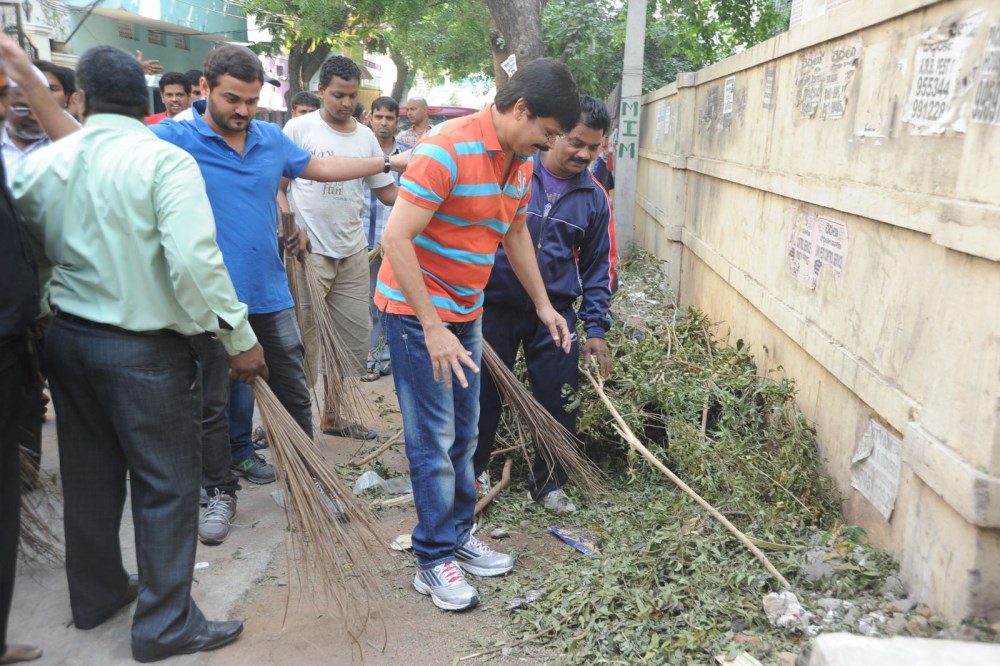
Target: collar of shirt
(489, 133)
(198, 109)
(115, 121)
(8, 144)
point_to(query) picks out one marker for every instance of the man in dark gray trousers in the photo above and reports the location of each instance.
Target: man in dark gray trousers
(124, 236)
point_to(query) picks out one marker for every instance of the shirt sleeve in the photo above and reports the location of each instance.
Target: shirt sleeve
(596, 261)
(187, 234)
(430, 175)
(297, 158)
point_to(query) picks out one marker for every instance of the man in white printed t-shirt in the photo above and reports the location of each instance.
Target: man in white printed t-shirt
(331, 214)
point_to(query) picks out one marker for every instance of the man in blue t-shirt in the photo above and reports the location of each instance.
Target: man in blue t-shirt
(242, 162)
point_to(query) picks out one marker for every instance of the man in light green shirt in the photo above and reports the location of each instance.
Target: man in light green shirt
(127, 257)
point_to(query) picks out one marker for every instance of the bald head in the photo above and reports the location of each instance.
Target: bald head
(416, 111)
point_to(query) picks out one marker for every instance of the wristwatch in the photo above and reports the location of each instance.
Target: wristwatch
(388, 165)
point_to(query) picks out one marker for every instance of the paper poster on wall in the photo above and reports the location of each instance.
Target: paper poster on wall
(728, 94)
(661, 115)
(769, 82)
(815, 242)
(938, 81)
(666, 120)
(876, 465)
(822, 77)
(986, 103)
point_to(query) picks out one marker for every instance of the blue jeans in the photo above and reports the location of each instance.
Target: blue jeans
(378, 355)
(440, 426)
(278, 334)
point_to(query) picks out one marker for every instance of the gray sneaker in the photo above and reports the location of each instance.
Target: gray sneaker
(213, 528)
(255, 469)
(446, 586)
(556, 501)
(480, 560)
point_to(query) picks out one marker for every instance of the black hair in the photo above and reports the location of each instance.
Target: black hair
(305, 98)
(549, 90)
(594, 114)
(238, 62)
(113, 82)
(194, 78)
(386, 103)
(341, 67)
(63, 74)
(359, 110)
(175, 79)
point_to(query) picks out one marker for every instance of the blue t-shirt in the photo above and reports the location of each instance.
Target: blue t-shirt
(242, 191)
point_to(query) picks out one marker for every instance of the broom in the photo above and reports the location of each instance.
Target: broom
(342, 396)
(289, 227)
(556, 444)
(37, 540)
(333, 539)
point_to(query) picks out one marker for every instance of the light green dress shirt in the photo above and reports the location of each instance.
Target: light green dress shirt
(125, 236)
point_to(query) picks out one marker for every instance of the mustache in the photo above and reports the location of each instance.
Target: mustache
(237, 116)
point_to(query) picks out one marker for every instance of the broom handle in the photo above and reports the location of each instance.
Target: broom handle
(495, 490)
(288, 227)
(392, 441)
(634, 442)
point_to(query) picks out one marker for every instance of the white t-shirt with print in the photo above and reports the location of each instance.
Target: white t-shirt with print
(331, 212)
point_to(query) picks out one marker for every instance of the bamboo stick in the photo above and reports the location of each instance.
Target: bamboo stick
(634, 442)
(495, 490)
(392, 441)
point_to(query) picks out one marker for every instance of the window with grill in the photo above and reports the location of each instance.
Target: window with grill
(157, 37)
(180, 41)
(126, 30)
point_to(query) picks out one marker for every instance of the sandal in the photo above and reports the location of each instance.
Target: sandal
(371, 376)
(354, 431)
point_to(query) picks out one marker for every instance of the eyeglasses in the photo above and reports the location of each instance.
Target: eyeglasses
(20, 109)
(552, 137)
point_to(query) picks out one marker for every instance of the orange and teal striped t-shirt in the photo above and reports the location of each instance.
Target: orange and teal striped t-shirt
(455, 171)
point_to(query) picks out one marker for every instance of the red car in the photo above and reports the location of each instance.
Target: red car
(437, 114)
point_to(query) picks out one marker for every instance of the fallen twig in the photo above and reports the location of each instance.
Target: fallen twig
(389, 443)
(495, 490)
(626, 433)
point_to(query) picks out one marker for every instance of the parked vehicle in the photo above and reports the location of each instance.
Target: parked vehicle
(437, 114)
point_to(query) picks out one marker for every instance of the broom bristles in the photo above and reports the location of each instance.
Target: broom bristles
(334, 537)
(37, 541)
(342, 395)
(557, 445)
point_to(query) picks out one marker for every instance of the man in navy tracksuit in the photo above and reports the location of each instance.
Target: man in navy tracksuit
(570, 221)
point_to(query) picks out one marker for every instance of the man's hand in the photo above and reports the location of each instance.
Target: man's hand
(598, 348)
(557, 327)
(247, 366)
(399, 161)
(298, 245)
(149, 66)
(448, 355)
(18, 64)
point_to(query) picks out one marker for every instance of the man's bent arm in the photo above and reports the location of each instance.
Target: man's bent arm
(448, 356)
(201, 282)
(333, 169)
(53, 119)
(521, 253)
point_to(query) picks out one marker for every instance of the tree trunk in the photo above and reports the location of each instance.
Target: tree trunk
(516, 27)
(302, 64)
(402, 74)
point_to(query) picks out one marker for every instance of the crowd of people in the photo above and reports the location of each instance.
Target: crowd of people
(144, 281)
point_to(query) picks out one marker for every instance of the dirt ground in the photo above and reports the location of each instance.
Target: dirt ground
(285, 625)
(248, 577)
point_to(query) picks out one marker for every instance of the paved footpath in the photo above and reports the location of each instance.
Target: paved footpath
(41, 616)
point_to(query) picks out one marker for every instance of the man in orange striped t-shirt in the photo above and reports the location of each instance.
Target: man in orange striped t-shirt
(465, 191)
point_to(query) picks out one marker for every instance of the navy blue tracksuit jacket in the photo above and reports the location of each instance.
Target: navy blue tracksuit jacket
(575, 248)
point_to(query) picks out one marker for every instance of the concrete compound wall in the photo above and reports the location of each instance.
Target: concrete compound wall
(833, 195)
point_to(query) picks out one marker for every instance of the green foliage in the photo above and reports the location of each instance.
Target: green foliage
(673, 586)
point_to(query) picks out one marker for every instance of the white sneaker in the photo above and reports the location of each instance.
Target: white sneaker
(480, 560)
(556, 501)
(446, 586)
